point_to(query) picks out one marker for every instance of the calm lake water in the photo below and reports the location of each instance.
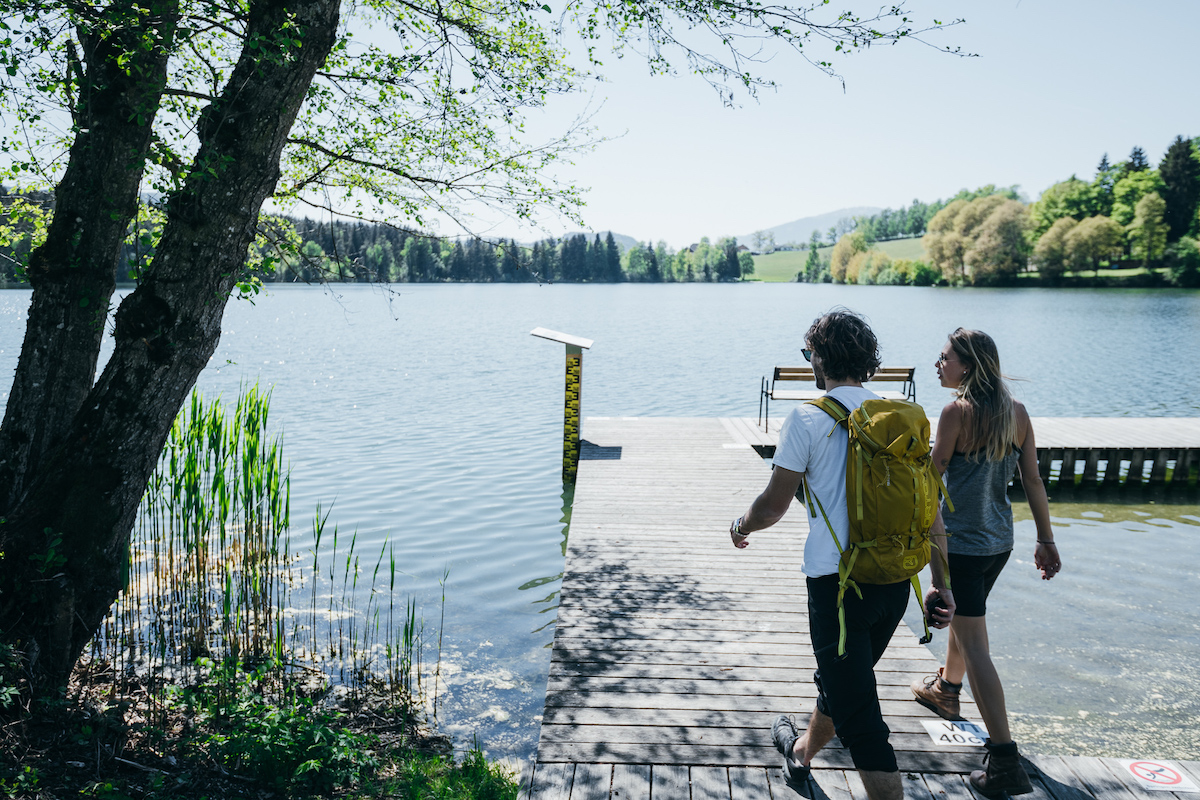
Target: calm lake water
(429, 416)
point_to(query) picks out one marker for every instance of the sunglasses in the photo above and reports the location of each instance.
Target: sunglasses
(807, 355)
(942, 359)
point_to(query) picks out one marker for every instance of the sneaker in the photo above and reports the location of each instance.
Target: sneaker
(1003, 772)
(785, 734)
(938, 695)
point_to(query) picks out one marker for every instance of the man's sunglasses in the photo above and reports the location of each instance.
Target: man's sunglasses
(807, 355)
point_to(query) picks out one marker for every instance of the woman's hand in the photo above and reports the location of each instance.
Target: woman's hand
(1046, 558)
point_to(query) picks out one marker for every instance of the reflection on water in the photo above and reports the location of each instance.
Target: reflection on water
(1101, 660)
(549, 603)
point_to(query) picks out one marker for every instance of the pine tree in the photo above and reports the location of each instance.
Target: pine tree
(612, 259)
(574, 258)
(510, 268)
(1137, 162)
(1180, 172)
(459, 269)
(596, 261)
(1106, 179)
(653, 271)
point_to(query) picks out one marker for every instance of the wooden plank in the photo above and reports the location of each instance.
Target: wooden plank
(1058, 778)
(707, 736)
(710, 783)
(592, 782)
(552, 781)
(716, 718)
(654, 703)
(1101, 433)
(854, 782)
(631, 782)
(947, 787)
(1098, 779)
(669, 781)
(565, 673)
(666, 688)
(749, 783)
(827, 784)
(914, 787)
(702, 755)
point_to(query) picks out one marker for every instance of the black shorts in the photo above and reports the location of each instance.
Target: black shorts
(971, 580)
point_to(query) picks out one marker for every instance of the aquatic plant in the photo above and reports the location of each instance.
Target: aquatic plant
(212, 575)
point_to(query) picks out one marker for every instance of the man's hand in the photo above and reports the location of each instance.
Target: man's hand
(942, 603)
(740, 540)
(1046, 558)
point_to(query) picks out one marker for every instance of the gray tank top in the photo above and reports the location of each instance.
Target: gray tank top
(981, 523)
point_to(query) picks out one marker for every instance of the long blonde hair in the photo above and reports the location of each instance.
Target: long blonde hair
(992, 423)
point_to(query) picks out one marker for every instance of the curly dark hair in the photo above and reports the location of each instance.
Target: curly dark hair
(846, 344)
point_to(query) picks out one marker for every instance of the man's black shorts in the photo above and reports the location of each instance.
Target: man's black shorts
(972, 578)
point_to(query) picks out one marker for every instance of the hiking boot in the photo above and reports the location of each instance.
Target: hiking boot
(785, 734)
(938, 695)
(1003, 772)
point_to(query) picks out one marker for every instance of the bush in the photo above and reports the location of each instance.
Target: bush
(1183, 263)
(923, 274)
(288, 744)
(889, 276)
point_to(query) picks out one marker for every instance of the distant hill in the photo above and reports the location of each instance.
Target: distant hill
(799, 230)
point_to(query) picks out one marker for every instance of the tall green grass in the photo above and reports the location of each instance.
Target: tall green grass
(213, 577)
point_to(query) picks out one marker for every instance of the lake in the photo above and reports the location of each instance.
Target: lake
(427, 415)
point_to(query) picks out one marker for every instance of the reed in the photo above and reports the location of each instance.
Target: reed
(213, 578)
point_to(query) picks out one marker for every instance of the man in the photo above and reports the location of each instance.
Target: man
(844, 352)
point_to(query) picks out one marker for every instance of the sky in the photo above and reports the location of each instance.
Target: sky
(1055, 86)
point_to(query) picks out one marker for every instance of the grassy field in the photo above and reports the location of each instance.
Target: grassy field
(783, 265)
(780, 266)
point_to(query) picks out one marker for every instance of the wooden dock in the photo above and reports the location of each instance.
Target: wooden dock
(1101, 451)
(673, 650)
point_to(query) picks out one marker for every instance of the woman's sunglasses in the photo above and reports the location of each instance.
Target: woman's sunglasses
(807, 355)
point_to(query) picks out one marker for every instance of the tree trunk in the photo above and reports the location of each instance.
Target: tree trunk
(73, 273)
(88, 490)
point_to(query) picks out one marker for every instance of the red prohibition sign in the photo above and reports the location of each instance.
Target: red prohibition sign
(1159, 774)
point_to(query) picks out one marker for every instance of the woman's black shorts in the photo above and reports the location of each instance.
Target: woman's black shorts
(971, 579)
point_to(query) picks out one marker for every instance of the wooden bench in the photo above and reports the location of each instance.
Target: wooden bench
(773, 391)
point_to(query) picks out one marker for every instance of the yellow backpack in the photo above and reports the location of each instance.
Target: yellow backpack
(891, 496)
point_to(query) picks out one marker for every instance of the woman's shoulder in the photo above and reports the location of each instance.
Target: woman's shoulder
(955, 409)
(1023, 422)
(1021, 415)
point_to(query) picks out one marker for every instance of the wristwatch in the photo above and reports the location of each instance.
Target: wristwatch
(736, 529)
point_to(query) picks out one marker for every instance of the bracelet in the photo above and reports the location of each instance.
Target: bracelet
(1045, 541)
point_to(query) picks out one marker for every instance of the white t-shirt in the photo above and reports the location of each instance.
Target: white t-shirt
(806, 446)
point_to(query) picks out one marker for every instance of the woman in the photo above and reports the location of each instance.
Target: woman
(981, 437)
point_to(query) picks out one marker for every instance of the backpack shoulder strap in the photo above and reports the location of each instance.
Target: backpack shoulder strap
(828, 404)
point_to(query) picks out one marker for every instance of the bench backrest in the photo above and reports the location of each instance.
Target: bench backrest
(904, 374)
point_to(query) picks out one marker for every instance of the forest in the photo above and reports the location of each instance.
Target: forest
(291, 250)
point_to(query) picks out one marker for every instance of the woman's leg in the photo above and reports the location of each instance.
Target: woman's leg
(969, 635)
(955, 666)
